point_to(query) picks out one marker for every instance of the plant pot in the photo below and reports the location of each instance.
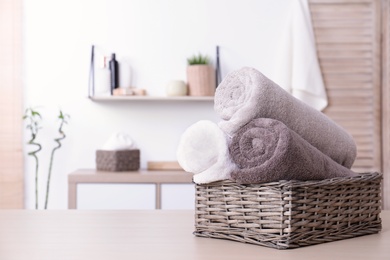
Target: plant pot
(201, 80)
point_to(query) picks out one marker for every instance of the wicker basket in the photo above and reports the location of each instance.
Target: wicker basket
(290, 214)
(121, 160)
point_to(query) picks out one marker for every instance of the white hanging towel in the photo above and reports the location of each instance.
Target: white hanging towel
(297, 68)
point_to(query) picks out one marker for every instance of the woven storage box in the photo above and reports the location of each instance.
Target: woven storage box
(290, 214)
(121, 160)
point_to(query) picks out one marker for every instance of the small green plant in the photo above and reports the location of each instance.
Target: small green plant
(63, 120)
(198, 60)
(33, 119)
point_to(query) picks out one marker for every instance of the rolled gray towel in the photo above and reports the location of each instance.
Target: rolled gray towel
(266, 150)
(247, 94)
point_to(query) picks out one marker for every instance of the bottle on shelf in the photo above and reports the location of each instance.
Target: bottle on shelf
(102, 77)
(114, 73)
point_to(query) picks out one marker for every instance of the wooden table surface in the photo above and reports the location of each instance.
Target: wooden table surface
(154, 234)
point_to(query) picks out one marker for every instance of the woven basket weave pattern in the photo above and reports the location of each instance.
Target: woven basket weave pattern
(122, 160)
(289, 214)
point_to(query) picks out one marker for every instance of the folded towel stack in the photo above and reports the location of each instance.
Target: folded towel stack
(270, 136)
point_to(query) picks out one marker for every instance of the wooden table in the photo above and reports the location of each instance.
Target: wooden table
(154, 234)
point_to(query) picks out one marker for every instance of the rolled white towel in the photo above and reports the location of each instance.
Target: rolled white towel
(203, 150)
(119, 141)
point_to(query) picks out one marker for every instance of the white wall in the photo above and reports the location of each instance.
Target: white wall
(156, 36)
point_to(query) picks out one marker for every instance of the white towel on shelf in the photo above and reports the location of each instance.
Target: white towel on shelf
(297, 68)
(203, 150)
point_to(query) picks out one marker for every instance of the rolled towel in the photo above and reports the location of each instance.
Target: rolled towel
(266, 150)
(247, 94)
(203, 151)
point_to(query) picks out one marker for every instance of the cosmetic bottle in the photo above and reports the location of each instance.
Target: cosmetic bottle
(125, 73)
(102, 77)
(114, 72)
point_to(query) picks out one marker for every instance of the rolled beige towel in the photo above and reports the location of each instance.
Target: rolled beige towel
(266, 150)
(247, 94)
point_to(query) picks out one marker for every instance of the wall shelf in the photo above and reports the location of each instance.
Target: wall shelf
(152, 98)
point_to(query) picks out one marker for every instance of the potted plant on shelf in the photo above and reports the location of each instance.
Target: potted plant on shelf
(200, 76)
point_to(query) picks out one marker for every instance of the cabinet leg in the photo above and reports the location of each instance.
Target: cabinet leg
(72, 195)
(158, 196)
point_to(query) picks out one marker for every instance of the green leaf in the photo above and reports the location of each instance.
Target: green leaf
(198, 60)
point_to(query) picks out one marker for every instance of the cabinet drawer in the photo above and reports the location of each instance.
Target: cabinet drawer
(116, 196)
(177, 196)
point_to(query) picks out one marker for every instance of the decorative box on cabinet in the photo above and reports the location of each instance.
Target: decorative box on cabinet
(91, 189)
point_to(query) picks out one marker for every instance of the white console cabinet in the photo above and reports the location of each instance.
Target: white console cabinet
(91, 189)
